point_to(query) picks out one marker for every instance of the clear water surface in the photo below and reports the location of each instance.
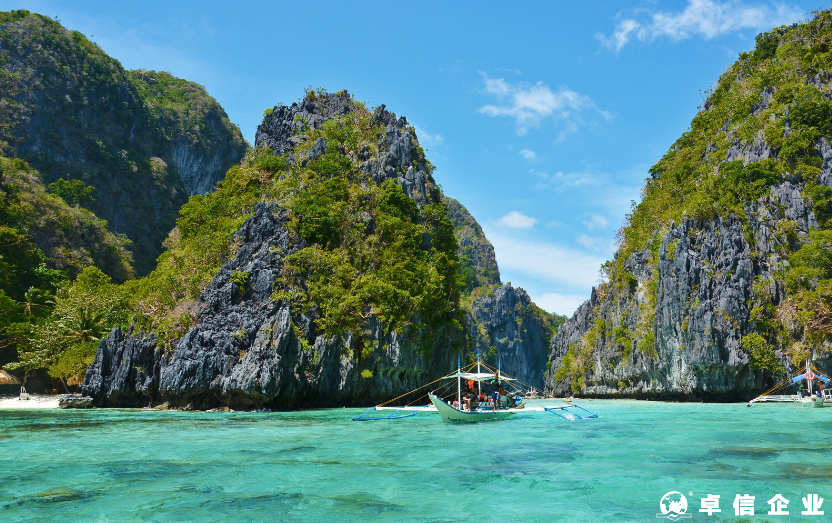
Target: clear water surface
(135, 465)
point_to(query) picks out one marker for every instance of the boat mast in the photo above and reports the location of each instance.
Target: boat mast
(458, 383)
(479, 382)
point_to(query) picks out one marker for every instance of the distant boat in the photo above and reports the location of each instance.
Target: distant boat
(805, 397)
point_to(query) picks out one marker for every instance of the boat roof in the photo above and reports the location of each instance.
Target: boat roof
(477, 376)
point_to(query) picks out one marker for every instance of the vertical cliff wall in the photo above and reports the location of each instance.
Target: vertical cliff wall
(713, 293)
(255, 342)
(145, 140)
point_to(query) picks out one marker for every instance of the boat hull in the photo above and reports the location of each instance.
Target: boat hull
(451, 415)
(815, 402)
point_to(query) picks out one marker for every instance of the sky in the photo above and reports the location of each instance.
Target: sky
(542, 118)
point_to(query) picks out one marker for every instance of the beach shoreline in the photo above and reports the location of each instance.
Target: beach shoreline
(35, 401)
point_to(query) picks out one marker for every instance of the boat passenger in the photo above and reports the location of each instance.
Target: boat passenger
(466, 401)
(495, 399)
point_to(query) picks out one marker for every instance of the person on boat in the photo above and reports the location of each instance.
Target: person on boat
(495, 399)
(466, 401)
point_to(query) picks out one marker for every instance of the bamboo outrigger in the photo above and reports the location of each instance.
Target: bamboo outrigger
(506, 407)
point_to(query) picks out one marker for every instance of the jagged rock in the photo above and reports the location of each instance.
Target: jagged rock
(476, 254)
(245, 353)
(703, 292)
(507, 320)
(249, 351)
(398, 145)
(74, 401)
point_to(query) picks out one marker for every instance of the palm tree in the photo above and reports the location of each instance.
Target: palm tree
(33, 300)
(88, 325)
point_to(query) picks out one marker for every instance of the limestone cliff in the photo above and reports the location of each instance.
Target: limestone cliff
(144, 140)
(257, 340)
(710, 295)
(511, 331)
(375, 315)
(247, 351)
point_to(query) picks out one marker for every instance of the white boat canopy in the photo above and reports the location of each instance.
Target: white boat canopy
(477, 376)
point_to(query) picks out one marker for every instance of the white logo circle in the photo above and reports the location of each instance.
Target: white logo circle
(673, 504)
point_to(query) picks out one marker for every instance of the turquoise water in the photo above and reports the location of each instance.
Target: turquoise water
(132, 465)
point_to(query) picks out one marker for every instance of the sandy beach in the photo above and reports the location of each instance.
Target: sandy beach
(35, 401)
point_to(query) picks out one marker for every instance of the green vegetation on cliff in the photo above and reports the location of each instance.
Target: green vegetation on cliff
(371, 249)
(45, 241)
(765, 122)
(128, 146)
(477, 261)
(144, 140)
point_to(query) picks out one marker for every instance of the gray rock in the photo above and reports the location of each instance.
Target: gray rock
(505, 320)
(704, 291)
(74, 401)
(248, 351)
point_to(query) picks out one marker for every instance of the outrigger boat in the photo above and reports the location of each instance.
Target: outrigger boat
(805, 397)
(507, 407)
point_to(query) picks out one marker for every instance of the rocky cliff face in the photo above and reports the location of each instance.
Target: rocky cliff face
(704, 285)
(247, 351)
(397, 155)
(503, 323)
(476, 254)
(144, 140)
(510, 330)
(249, 348)
(703, 301)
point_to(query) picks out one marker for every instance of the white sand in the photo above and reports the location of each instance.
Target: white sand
(35, 401)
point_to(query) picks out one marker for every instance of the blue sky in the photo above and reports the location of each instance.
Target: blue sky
(541, 117)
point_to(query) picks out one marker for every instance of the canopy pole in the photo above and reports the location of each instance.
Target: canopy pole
(479, 383)
(458, 383)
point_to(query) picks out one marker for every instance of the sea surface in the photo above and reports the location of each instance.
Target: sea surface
(318, 466)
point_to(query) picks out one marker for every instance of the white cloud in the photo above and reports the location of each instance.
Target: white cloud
(426, 139)
(529, 104)
(596, 243)
(703, 18)
(565, 304)
(527, 154)
(600, 222)
(561, 180)
(545, 261)
(517, 220)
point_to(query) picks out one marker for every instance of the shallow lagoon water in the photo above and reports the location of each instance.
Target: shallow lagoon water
(135, 465)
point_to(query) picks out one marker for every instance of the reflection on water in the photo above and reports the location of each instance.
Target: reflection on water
(131, 465)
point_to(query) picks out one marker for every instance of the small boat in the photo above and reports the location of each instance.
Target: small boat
(807, 397)
(508, 406)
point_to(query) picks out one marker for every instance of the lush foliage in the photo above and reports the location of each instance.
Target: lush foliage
(76, 115)
(43, 242)
(61, 332)
(372, 250)
(772, 104)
